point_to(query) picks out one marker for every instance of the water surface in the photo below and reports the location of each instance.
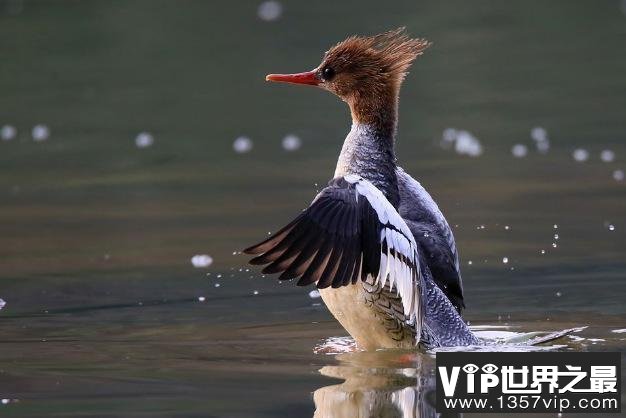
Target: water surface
(102, 314)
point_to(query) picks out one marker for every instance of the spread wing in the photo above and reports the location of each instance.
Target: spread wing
(349, 233)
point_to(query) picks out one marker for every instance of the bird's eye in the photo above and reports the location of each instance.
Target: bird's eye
(328, 73)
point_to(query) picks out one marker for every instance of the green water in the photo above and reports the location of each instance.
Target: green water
(102, 316)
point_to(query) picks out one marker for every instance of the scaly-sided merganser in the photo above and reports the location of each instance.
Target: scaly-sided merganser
(374, 241)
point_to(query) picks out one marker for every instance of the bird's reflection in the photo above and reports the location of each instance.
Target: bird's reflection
(378, 384)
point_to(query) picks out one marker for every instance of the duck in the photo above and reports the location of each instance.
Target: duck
(373, 241)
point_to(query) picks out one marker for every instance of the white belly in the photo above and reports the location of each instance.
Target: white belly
(363, 323)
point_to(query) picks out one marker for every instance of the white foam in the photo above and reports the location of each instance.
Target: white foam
(8, 132)
(270, 10)
(580, 155)
(618, 175)
(519, 150)
(201, 260)
(291, 143)
(144, 140)
(40, 133)
(242, 144)
(607, 156)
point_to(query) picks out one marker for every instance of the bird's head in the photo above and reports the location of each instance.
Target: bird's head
(363, 69)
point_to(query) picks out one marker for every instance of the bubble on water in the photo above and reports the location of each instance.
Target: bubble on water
(8, 132)
(201, 260)
(543, 251)
(314, 294)
(611, 227)
(554, 245)
(506, 227)
(580, 155)
(519, 150)
(543, 147)
(469, 262)
(468, 144)
(144, 140)
(448, 137)
(242, 144)
(40, 133)
(270, 10)
(607, 156)
(291, 143)
(618, 175)
(463, 141)
(2, 304)
(539, 134)
(558, 294)
(555, 226)
(217, 285)
(201, 298)
(556, 236)
(219, 276)
(256, 292)
(505, 260)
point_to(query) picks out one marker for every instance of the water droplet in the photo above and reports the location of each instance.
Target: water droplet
(555, 226)
(219, 276)
(144, 140)
(201, 298)
(519, 150)
(505, 260)
(507, 227)
(539, 134)
(256, 292)
(543, 251)
(291, 143)
(543, 147)
(8, 132)
(580, 155)
(217, 285)
(201, 260)
(556, 236)
(242, 144)
(611, 227)
(5, 401)
(270, 10)
(558, 294)
(468, 144)
(469, 262)
(554, 245)
(618, 175)
(40, 133)
(448, 138)
(314, 294)
(607, 156)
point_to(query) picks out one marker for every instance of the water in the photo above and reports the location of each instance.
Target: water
(102, 314)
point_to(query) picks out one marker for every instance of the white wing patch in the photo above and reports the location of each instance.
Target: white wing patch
(399, 260)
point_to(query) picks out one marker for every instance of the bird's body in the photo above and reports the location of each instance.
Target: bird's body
(367, 311)
(374, 241)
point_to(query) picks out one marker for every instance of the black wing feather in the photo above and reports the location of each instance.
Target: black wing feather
(329, 243)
